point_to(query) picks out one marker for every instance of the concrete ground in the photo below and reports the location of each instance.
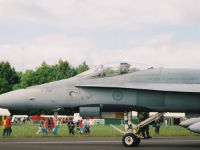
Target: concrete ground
(98, 143)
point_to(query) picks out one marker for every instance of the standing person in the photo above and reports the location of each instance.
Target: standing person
(8, 126)
(41, 128)
(84, 125)
(146, 128)
(87, 127)
(81, 126)
(55, 129)
(4, 127)
(77, 126)
(44, 130)
(140, 119)
(48, 125)
(157, 126)
(52, 123)
(71, 127)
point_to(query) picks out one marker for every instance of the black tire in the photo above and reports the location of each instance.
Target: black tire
(138, 141)
(130, 140)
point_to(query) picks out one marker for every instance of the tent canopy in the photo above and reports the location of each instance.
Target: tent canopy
(4, 112)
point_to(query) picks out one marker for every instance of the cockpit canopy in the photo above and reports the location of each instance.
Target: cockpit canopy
(102, 71)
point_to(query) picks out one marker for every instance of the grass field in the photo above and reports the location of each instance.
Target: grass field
(29, 130)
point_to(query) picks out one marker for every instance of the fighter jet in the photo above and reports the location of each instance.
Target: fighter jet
(104, 89)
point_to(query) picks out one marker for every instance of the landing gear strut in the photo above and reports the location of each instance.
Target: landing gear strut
(129, 139)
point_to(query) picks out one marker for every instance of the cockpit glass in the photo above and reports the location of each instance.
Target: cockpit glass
(110, 70)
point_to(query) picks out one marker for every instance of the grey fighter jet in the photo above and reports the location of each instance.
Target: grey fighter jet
(104, 89)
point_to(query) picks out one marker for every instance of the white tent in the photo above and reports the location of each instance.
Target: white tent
(173, 115)
(4, 112)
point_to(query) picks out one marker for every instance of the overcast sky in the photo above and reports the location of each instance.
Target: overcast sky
(154, 32)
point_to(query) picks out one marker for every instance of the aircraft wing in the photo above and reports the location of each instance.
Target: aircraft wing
(192, 88)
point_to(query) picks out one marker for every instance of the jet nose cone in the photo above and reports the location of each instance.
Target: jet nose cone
(8, 100)
(4, 99)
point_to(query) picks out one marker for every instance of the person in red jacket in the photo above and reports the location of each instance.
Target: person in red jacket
(52, 123)
(81, 126)
(47, 125)
(8, 126)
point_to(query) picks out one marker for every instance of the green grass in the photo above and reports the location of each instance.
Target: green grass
(172, 131)
(29, 130)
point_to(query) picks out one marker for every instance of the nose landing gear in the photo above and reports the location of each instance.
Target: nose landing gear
(131, 137)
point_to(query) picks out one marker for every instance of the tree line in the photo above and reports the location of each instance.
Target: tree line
(10, 79)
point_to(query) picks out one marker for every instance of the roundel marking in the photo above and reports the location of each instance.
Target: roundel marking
(117, 95)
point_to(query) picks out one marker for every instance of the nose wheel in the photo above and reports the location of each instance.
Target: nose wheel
(130, 140)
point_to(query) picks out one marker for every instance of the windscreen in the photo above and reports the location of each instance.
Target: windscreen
(102, 71)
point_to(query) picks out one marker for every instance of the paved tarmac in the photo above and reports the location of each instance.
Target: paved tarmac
(98, 143)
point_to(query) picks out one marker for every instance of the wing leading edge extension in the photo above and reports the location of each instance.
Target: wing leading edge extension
(191, 88)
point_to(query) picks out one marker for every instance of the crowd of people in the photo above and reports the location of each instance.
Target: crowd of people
(82, 126)
(49, 125)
